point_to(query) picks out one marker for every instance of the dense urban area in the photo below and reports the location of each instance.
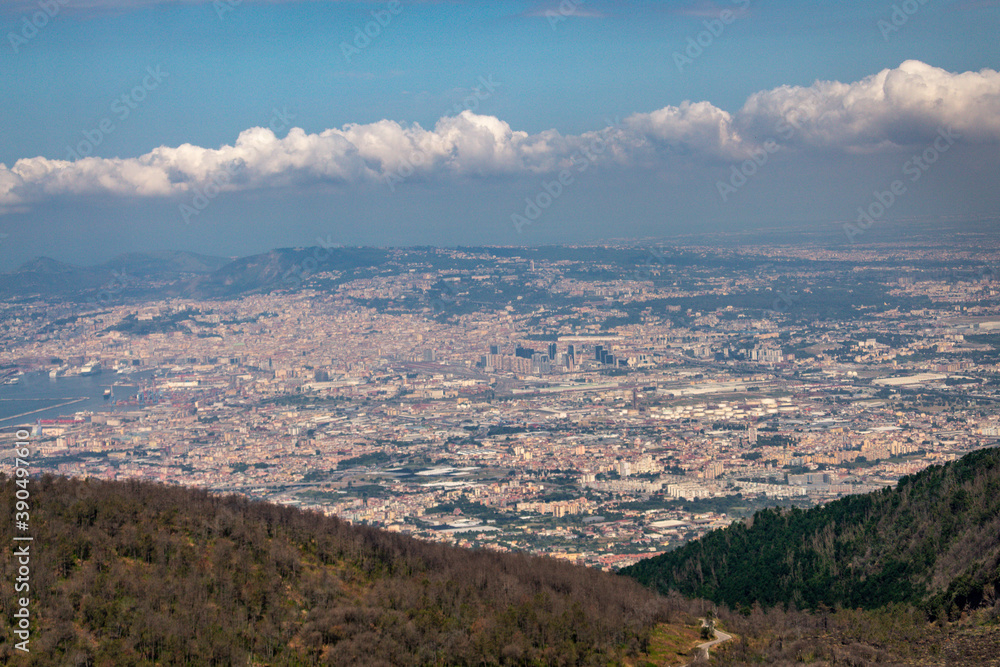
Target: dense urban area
(600, 404)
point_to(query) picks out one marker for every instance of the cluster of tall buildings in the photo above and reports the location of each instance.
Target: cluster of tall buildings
(605, 358)
(529, 360)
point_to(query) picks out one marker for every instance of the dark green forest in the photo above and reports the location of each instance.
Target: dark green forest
(932, 542)
(132, 573)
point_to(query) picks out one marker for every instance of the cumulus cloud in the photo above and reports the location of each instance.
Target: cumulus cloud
(690, 129)
(897, 107)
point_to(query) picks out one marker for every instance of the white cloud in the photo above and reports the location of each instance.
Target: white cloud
(897, 107)
(691, 128)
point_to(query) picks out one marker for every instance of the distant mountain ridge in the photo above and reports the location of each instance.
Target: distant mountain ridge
(171, 274)
(933, 541)
(165, 263)
(282, 268)
(44, 265)
(123, 275)
(138, 263)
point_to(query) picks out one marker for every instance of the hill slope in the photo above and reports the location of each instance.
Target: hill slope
(131, 274)
(141, 574)
(283, 268)
(934, 540)
(164, 263)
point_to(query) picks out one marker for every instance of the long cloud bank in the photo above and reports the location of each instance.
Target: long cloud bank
(894, 108)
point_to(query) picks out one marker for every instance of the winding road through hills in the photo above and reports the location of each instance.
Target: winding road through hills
(702, 649)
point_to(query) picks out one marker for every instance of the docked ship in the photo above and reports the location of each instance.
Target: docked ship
(91, 369)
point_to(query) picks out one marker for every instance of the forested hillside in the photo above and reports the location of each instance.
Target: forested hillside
(142, 574)
(933, 541)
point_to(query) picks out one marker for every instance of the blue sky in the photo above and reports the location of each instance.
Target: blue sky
(156, 100)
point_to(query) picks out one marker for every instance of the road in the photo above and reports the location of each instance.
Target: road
(702, 649)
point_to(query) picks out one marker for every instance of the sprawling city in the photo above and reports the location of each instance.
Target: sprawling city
(600, 403)
(411, 333)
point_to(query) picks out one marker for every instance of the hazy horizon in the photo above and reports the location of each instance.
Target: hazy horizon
(237, 126)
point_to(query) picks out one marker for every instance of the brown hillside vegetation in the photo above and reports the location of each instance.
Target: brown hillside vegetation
(129, 573)
(856, 638)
